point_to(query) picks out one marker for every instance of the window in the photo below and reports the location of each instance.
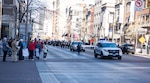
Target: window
(147, 18)
(128, 7)
(7, 11)
(8, 1)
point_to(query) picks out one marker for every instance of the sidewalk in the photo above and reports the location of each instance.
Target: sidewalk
(18, 72)
(142, 54)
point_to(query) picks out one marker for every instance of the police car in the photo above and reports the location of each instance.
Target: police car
(105, 48)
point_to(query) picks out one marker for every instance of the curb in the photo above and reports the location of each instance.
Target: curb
(142, 55)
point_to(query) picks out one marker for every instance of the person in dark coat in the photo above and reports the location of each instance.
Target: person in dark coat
(5, 48)
(21, 57)
(79, 48)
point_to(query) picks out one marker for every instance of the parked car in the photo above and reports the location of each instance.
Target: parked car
(127, 48)
(73, 46)
(107, 49)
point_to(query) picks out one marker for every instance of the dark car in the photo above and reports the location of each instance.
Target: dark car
(128, 48)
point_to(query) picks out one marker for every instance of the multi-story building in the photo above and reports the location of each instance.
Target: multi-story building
(55, 26)
(104, 18)
(89, 34)
(136, 22)
(97, 15)
(119, 21)
(9, 18)
(75, 22)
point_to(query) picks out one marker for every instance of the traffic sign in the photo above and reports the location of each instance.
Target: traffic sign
(142, 40)
(139, 4)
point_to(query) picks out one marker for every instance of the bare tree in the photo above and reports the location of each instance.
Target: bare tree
(24, 8)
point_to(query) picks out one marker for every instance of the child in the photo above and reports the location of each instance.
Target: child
(45, 49)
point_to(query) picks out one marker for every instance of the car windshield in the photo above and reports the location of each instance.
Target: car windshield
(109, 45)
(75, 43)
(129, 45)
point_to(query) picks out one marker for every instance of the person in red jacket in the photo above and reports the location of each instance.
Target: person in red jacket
(31, 49)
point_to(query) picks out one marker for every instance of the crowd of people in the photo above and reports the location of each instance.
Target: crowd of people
(18, 50)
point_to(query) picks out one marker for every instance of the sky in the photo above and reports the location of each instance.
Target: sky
(48, 3)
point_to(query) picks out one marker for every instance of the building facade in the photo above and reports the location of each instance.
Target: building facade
(55, 24)
(9, 18)
(104, 19)
(140, 24)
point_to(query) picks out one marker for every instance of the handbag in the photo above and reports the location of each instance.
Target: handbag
(25, 52)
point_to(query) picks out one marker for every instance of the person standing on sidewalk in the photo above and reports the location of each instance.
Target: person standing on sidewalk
(1, 43)
(10, 50)
(5, 48)
(31, 49)
(45, 49)
(14, 50)
(38, 49)
(21, 57)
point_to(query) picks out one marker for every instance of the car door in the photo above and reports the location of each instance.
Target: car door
(98, 48)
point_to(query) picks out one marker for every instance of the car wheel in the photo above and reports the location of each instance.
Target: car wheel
(123, 51)
(102, 55)
(133, 53)
(95, 55)
(127, 52)
(119, 57)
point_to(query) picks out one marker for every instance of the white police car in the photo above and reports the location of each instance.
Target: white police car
(107, 49)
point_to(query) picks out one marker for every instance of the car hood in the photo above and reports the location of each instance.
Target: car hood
(110, 48)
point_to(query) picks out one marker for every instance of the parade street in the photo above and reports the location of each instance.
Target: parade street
(65, 66)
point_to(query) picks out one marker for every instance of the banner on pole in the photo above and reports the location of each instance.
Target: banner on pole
(132, 8)
(121, 11)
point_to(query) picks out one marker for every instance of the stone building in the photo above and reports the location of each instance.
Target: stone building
(9, 18)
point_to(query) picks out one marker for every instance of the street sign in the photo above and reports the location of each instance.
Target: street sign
(139, 4)
(142, 40)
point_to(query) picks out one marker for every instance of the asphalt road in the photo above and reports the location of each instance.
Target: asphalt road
(65, 66)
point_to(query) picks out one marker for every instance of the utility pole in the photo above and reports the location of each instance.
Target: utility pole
(26, 26)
